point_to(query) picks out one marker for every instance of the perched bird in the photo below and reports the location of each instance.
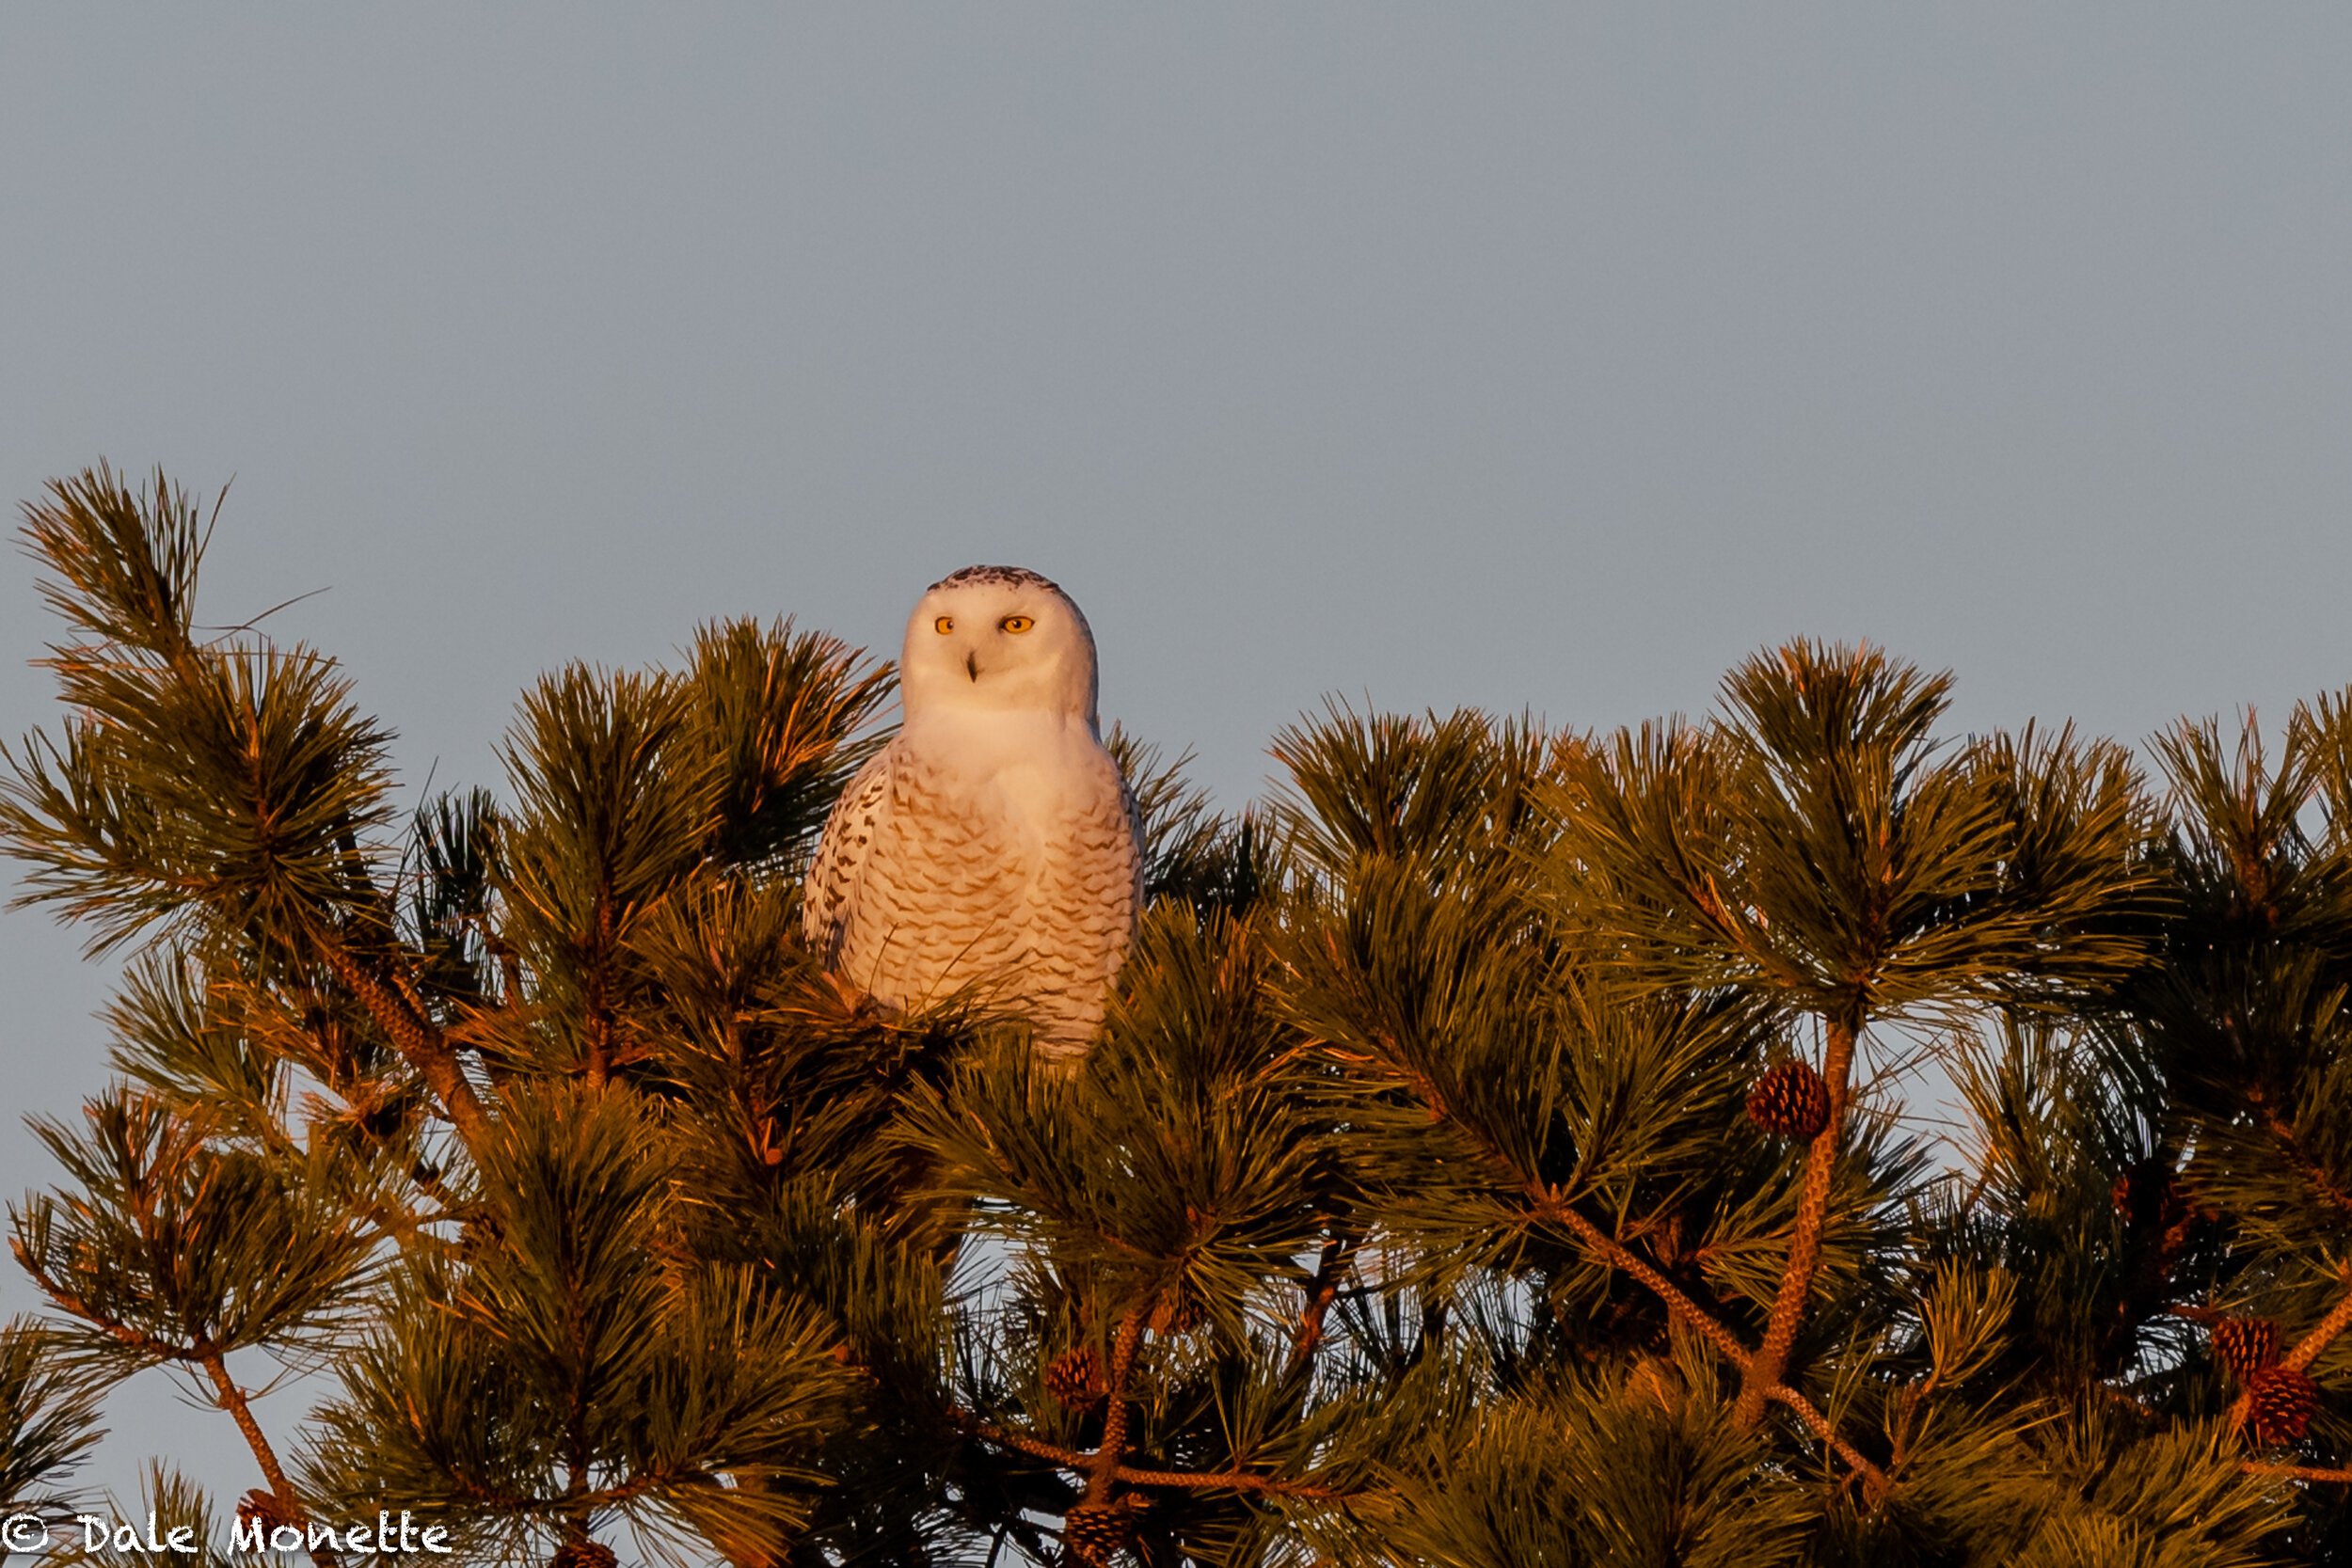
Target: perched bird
(994, 843)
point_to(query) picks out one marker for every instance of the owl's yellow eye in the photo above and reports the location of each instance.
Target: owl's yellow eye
(944, 624)
(1016, 622)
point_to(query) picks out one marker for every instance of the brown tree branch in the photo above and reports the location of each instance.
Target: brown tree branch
(232, 1399)
(1322, 1291)
(419, 1040)
(1873, 1477)
(1716, 1334)
(1551, 1205)
(1804, 1248)
(1713, 1331)
(1103, 1467)
(1069, 1459)
(1235, 1481)
(600, 1026)
(2307, 1349)
(2296, 1472)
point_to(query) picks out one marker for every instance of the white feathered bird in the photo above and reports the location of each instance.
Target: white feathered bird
(994, 843)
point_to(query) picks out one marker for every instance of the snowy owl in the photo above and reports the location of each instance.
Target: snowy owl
(992, 842)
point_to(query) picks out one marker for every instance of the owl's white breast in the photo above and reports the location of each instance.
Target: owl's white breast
(1037, 774)
(1005, 857)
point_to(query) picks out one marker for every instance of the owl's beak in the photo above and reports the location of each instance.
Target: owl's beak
(972, 665)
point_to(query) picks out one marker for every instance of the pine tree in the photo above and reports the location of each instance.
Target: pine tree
(1494, 1155)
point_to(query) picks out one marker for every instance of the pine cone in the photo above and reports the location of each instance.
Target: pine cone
(2284, 1401)
(2245, 1345)
(1097, 1532)
(1075, 1378)
(582, 1554)
(1790, 1101)
(259, 1510)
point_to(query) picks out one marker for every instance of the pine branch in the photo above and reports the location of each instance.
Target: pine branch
(48, 1418)
(1069, 1459)
(1717, 1334)
(202, 1354)
(1322, 1291)
(421, 1042)
(1873, 1477)
(1233, 1480)
(1090, 1464)
(1805, 1250)
(232, 1399)
(2296, 1472)
(74, 1306)
(1551, 1205)
(1104, 1466)
(2307, 1349)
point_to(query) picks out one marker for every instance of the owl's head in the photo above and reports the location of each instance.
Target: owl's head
(997, 639)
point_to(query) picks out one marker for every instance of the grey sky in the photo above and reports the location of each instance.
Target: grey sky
(1541, 357)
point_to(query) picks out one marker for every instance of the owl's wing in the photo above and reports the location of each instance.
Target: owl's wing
(834, 875)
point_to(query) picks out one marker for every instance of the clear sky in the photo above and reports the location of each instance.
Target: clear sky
(1544, 358)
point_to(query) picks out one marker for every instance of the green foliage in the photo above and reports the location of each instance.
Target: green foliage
(565, 1364)
(176, 1247)
(48, 1420)
(167, 1503)
(1193, 854)
(1409, 1209)
(1815, 853)
(777, 715)
(1571, 1471)
(216, 789)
